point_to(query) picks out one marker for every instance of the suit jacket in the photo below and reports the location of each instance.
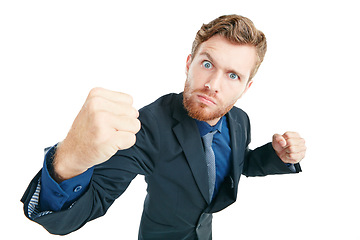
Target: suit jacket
(170, 154)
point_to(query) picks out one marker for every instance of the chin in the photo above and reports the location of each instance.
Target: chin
(202, 112)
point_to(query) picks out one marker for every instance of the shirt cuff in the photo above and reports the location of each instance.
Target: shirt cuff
(55, 196)
(291, 167)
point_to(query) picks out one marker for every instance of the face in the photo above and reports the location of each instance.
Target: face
(217, 76)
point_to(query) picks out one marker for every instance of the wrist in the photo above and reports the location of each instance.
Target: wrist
(65, 165)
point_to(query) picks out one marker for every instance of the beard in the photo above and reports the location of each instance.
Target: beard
(199, 110)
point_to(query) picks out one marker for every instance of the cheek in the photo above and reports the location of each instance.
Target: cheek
(194, 81)
(197, 77)
(234, 90)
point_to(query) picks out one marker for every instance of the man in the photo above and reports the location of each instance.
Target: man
(191, 147)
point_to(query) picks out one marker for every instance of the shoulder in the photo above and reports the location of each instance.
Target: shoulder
(239, 115)
(162, 108)
(166, 101)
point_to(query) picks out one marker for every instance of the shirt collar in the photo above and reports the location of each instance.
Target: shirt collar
(205, 128)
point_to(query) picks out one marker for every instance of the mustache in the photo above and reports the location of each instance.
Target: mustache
(207, 92)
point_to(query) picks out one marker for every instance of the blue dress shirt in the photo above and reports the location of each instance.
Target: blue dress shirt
(221, 147)
(58, 196)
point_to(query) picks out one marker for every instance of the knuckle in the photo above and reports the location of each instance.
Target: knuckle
(128, 99)
(130, 124)
(128, 141)
(95, 91)
(291, 149)
(133, 139)
(293, 156)
(138, 125)
(135, 125)
(136, 112)
(93, 104)
(290, 142)
(132, 112)
(291, 134)
(288, 133)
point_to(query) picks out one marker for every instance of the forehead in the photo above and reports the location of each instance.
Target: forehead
(229, 55)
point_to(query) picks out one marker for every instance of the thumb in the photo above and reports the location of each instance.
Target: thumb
(278, 142)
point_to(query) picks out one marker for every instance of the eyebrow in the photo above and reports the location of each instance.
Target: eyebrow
(242, 76)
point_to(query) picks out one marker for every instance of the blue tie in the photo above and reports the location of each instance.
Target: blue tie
(210, 161)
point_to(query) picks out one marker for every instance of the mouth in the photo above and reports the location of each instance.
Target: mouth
(206, 100)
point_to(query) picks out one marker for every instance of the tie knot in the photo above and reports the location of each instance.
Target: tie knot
(207, 138)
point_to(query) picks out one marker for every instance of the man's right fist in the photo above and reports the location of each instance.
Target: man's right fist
(106, 123)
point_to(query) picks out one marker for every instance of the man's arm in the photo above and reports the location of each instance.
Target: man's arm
(281, 156)
(107, 184)
(275, 157)
(264, 161)
(106, 123)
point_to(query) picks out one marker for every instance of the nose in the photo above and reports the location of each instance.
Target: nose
(214, 82)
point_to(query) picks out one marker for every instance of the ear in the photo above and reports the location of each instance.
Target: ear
(248, 86)
(188, 63)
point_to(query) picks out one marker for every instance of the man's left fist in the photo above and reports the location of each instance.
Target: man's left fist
(290, 147)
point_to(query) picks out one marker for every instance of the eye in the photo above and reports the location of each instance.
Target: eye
(207, 64)
(233, 76)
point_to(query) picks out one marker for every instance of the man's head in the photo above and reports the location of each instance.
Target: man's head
(225, 56)
(236, 29)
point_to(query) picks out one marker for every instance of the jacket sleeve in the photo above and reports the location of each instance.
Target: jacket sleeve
(109, 180)
(56, 196)
(94, 203)
(264, 161)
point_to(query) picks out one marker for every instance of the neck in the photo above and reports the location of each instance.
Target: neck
(213, 122)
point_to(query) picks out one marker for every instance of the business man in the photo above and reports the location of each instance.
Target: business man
(191, 147)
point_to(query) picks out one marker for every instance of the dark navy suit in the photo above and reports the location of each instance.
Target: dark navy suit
(169, 153)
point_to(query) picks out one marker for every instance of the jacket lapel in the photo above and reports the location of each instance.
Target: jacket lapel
(228, 190)
(236, 142)
(188, 135)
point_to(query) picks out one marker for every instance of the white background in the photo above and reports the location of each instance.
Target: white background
(53, 52)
